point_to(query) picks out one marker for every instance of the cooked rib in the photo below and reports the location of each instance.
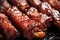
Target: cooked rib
(21, 4)
(25, 23)
(8, 29)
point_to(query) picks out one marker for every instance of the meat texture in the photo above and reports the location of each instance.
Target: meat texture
(35, 3)
(21, 4)
(4, 5)
(39, 17)
(7, 28)
(32, 12)
(54, 3)
(27, 25)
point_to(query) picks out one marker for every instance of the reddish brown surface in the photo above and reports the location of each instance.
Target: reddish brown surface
(54, 3)
(21, 4)
(32, 23)
(23, 21)
(8, 29)
(39, 17)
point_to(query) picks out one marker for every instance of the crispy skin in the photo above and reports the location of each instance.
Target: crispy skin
(8, 29)
(24, 22)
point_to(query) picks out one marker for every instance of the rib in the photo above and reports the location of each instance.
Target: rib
(25, 23)
(56, 18)
(4, 5)
(7, 28)
(39, 17)
(46, 8)
(21, 4)
(34, 3)
(54, 3)
(43, 7)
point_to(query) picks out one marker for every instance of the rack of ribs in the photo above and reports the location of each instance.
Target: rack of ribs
(32, 12)
(30, 21)
(25, 23)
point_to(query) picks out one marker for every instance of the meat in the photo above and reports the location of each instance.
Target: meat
(21, 4)
(35, 3)
(43, 7)
(7, 28)
(54, 3)
(33, 10)
(25, 23)
(56, 18)
(4, 5)
(39, 17)
(51, 12)
(32, 22)
(46, 8)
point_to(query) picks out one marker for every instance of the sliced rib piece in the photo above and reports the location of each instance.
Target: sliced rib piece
(8, 29)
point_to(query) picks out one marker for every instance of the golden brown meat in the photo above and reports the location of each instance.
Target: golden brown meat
(7, 28)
